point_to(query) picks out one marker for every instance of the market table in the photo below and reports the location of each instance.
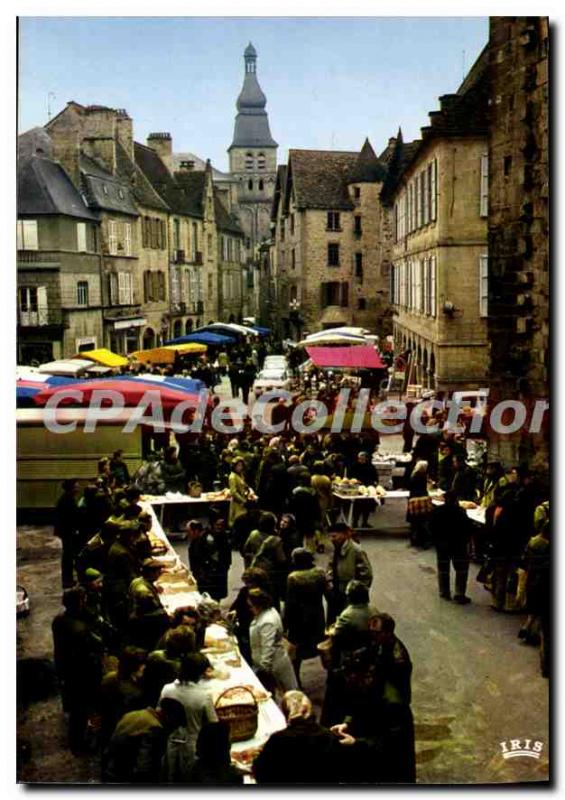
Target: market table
(176, 498)
(178, 590)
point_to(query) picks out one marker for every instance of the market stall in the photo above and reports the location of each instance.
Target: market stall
(234, 681)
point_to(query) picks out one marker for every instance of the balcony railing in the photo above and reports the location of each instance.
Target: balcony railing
(38, 257)
(40, 318)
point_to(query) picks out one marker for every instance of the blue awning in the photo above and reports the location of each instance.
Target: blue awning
(204, 337)
(262, 331)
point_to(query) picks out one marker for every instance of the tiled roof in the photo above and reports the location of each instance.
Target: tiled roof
(280, 184)
(45, 188)
(320, 178)
(200, 166)
(103, 190)
(142, 190)
(182, 192)
(224, 220)
(368, 168)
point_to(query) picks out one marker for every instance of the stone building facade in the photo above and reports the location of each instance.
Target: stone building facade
(437, 192)
(518, 225)
(328, 249)
(58, 263)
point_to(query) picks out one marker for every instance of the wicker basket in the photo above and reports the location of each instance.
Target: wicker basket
(242, 718)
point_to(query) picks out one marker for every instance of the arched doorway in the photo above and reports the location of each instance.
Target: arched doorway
(148, 339)
(188, 326)
(177, 329)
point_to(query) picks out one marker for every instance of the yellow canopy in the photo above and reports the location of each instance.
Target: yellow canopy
(104, 357)
(167, 353)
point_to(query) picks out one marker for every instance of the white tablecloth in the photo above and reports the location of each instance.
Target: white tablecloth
(270, 717)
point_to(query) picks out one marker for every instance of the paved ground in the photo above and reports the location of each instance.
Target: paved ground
(474, 684)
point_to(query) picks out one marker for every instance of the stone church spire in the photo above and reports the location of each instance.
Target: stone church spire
(251, 123)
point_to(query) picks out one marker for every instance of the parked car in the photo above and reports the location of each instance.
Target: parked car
(271, 378)
(275, 362)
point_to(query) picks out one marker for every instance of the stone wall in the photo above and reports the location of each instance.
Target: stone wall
(519, 221)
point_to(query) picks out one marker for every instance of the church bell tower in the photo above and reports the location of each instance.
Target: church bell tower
(253, 155)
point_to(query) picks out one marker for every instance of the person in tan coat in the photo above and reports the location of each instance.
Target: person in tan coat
(239, 490)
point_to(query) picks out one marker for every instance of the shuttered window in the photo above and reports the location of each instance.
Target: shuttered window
(27, 234)
(433, 190)
(81, 237)
(125, 289)
(82, 293)
(433, 265)
(426, 196)
(113, 237)
(127, 239)
(162, 285)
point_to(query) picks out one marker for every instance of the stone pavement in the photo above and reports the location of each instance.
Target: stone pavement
(474, 685)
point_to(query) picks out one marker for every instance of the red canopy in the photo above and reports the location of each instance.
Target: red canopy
(131, 391)
(356, 357)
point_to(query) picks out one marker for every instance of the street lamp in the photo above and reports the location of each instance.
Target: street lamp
(295, 316)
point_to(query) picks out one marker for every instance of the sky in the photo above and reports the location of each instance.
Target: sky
(329, 82)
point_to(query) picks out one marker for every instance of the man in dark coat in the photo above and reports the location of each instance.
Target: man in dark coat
(363, 471)
(122, 567)
(78, 661)
(148, 620)
(136, 750)
(464, 482)
(451, 530)
(303, 753)
(66, 528)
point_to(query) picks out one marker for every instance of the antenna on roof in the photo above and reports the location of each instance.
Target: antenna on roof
(50, 96)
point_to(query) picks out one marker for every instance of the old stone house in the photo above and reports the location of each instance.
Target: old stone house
(328, 257)
(206, 240)
(58, 259)
(437, 192)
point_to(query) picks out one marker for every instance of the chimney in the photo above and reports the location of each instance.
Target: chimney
(124, 130)
(186, 166)
(162, 143)
(99, 136)
(66, 150)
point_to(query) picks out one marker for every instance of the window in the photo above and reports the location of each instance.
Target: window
(113, 237)
(27, 234)
(292, 224)
(359, 266)
(426, 286)
(357, 192)
(410, 221)
(361, 304)
(249, 161)
(419, 287)
(333, 221)
(334, 293)
(82, 293)
(433, 264)
(333, 254)
(293, 258)
(250, 185)
(125, 289)
(261, 185)
(127, 239)
(147, 287)
(81, 237)
(426, 197)
(33, 305)
(358, 228)
(433, 190)
(418, 201)
(507, 165)
(261, 161)
(483, 282)
(194, 240)
(484, 186)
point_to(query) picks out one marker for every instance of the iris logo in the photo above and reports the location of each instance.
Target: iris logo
(523, 748)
